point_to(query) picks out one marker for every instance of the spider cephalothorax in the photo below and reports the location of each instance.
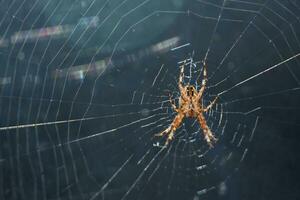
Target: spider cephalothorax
(190, 105)
(190, 91)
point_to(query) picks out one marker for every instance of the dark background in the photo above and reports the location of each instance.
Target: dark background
(105, 69)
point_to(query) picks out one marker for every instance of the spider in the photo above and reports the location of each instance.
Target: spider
(190, 105)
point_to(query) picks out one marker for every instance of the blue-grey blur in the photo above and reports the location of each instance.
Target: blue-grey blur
(85, 85)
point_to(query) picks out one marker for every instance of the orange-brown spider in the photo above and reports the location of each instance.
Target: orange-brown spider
(190, 105)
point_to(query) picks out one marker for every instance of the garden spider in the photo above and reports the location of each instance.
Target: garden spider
(190, 105)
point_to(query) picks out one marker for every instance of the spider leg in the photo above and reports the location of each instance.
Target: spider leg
(211, 104)
(180, 82)
(172, 128)
(172, 101)
(208, 135)
(204, 81)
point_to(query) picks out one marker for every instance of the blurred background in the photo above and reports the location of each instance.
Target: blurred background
(85, 84)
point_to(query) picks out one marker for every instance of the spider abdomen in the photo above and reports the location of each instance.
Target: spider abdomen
(191, 113)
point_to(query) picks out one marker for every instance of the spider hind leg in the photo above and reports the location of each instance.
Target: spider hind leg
(168, 132)
(208, 135)
(171, 129)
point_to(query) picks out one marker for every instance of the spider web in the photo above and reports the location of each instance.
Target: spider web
(85, 87)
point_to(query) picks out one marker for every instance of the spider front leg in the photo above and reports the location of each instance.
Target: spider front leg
(172, 128)
(180, 82)
(204, 81)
